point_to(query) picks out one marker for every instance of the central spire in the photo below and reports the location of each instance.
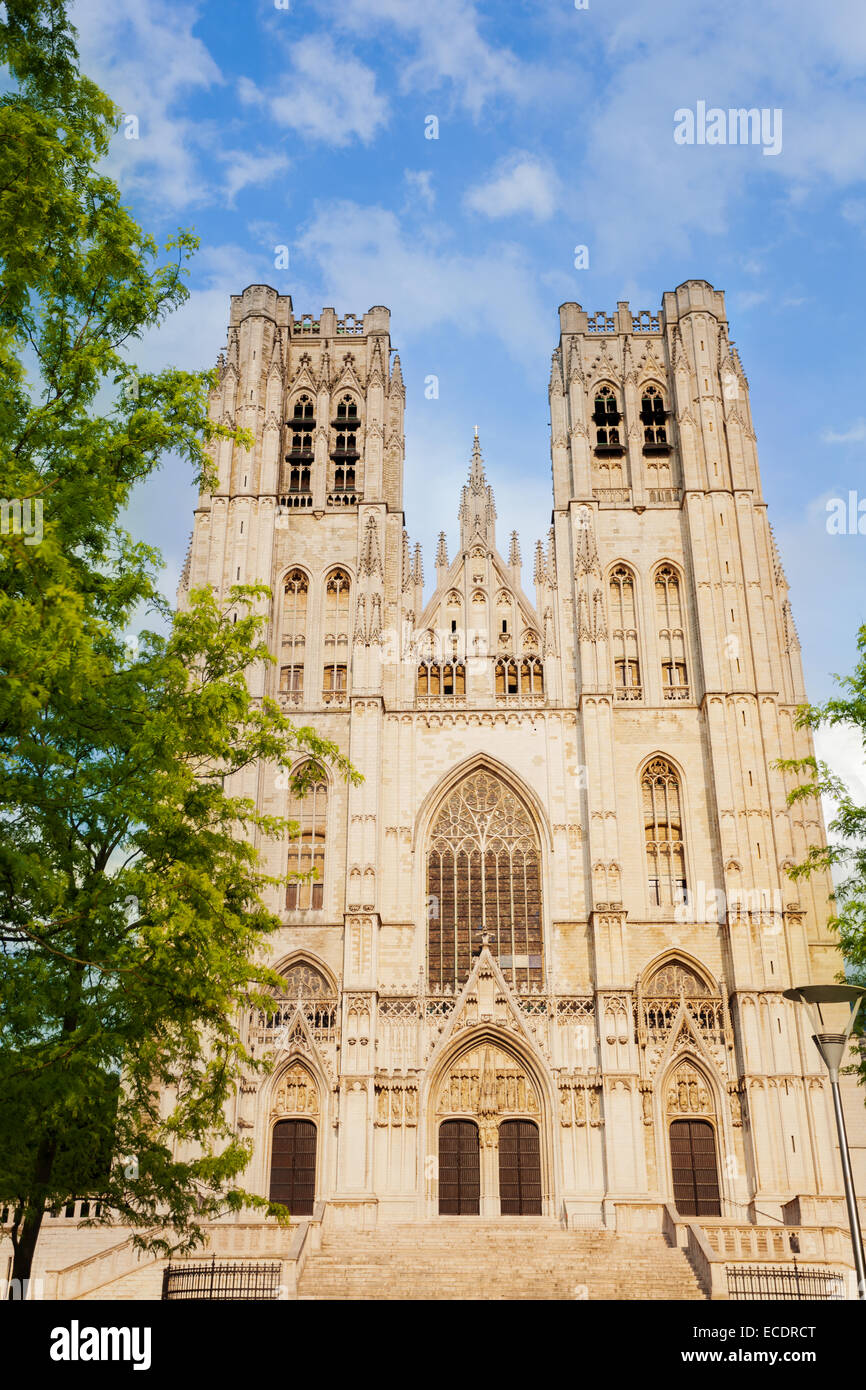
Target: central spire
(477, 508)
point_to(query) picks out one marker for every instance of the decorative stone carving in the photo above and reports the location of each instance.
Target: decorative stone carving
(487, 1081)
(396, 1103)
(688, 1093)
(296, 1094)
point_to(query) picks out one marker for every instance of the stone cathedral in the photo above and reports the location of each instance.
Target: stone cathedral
(534, 961)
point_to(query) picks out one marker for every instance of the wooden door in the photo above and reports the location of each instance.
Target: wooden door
(459, 1169)
(693, 1160)
(293, 1166)
(519, 1168)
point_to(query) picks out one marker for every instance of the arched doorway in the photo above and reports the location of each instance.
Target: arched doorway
(459, 1169)
(519, 1168)
(293, 1166)
(693, 1163)
(294, 1140)
(489, 1112)
(694, 1168)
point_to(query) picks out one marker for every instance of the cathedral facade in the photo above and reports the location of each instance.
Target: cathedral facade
(534, 960)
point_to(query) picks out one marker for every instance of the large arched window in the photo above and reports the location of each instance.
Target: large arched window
(337, 589)
(669, 615)
(483, 875)
(663, 828)
(623, 634)
(294, 635)
(307, 849)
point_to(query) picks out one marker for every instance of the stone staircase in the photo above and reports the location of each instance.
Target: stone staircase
(507, 1258)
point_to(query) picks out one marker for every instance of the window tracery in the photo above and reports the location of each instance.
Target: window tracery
(669, 614)
(665, 850)
(624, 638)
(337, 593)
(483, 874)
(345, 452)
(294, 633)
(300, 456)
(652, 417)
(606, 418)
(306, 854)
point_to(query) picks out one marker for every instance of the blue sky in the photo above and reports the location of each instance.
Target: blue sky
(305, 126)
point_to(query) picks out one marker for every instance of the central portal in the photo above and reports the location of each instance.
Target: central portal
(491, 1154)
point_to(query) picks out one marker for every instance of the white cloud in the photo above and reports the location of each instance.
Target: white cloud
(429, 282)
(854, 211)
(749, 299)
(326, 94)
(788, 54)
(247, 170)
(855, 435)
(420, 183)
(522, 183)
(449, 50)
(148, 60)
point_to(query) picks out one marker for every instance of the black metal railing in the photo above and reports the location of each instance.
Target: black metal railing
(225, 1281)
(784, 1282)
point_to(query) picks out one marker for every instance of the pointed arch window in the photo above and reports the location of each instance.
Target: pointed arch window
(670, 986)
(483, 876)
(663, 831)
(675, 978)
(623, 633)
(345, 453)
(606, 418)
(307, 988)
(300, 455)
(294, 635)
(337, 593)
(669, 615)
(306, 857)
(653, 417)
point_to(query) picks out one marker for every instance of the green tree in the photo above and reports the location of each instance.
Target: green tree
(845, 854)
(133, 925)
(134, 928)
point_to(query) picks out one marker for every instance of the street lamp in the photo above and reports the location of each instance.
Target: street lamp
(832, 1049)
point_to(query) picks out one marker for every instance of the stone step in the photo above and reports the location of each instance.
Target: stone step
(470, 1258)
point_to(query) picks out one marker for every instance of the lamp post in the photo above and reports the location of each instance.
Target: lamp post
(832, 1049)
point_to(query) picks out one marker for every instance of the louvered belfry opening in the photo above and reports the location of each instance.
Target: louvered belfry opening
(519, 1168)
(459, 1169)
(483, 875)
(693, 1160)
(293, 1166)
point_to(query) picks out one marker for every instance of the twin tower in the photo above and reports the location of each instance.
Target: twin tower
(535, 964)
